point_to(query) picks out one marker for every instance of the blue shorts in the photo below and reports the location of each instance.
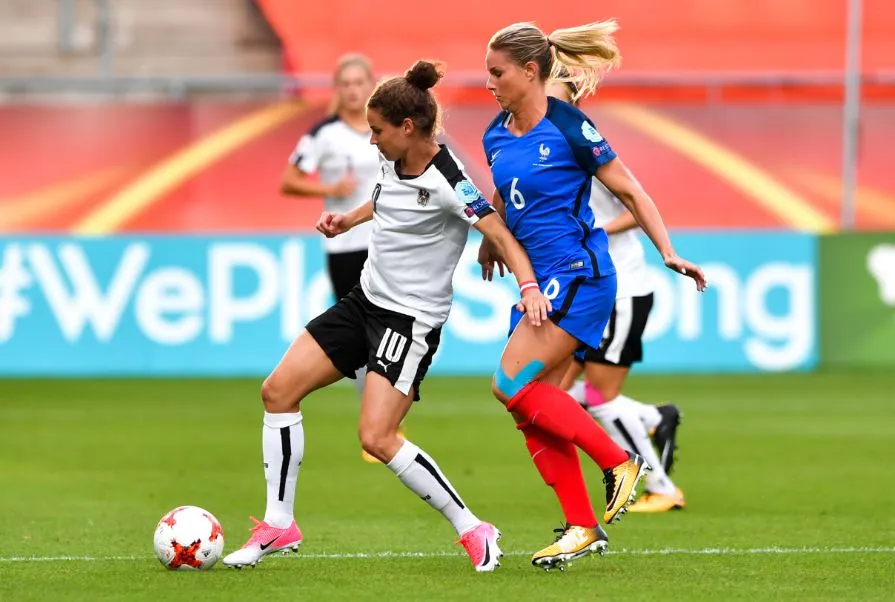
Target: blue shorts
(581, 305)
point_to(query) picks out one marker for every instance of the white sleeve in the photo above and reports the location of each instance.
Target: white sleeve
(306, 155)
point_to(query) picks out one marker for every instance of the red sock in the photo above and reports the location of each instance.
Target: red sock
(551, 409)
(558, 463)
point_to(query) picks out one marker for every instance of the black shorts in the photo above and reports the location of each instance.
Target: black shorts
(344, 270)
(355, 333)
(622, 343)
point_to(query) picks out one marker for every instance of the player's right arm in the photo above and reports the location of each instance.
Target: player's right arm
(332, 224)
(295, 182)
(297, 179)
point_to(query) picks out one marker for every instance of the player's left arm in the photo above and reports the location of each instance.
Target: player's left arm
(506, 246)
(496, 233)
(622, 183)
(467, 202)
(489, 258)
(595, 156)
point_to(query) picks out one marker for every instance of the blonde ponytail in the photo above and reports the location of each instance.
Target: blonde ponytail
(584, 54)
(579, 56)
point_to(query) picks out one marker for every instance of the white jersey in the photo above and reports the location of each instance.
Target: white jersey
(331, 148)
(624, 247)
(420, 227)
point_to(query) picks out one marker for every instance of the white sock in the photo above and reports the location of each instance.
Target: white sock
(419, 473)
(648, 413)
(283, 445)
(577, 391)
(359, 380)
(624, 425)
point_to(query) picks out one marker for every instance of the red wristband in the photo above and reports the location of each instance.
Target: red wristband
(527, 285)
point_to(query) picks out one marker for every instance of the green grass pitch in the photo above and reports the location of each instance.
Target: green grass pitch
(789, 495)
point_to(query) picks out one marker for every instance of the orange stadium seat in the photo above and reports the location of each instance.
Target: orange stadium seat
(685, 36)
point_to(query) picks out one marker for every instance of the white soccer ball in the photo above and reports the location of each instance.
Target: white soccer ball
(188, 538)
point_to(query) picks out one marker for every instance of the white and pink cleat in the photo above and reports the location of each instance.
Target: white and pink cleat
(481, 545)
(265, 539)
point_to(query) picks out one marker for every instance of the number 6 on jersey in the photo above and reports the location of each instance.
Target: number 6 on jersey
(515, 196)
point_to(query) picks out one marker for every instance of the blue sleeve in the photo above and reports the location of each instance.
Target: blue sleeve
(591, 150)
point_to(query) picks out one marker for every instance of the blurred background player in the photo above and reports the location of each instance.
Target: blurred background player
(338, 149)
(628, 422)
(422, 207)
(543, 156)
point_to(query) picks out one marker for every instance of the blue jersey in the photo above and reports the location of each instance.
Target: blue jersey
(544, 178)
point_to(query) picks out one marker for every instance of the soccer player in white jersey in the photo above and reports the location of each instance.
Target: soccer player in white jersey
(629, 422)
(421, 209)
(338, 150)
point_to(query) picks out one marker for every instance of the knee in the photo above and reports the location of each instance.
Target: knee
(505, 388)
(379, 443)
(276, 398)
(497, 391)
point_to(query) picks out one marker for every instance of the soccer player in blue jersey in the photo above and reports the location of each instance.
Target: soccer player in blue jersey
(543, 154)
(634, 425)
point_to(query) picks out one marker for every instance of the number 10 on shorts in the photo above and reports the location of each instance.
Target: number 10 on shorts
(391, 346)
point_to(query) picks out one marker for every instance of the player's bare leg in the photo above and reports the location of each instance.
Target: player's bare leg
(382, 410)
(303, 369)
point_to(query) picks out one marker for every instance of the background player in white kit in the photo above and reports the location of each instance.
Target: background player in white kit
(421, 207)
(628, 422)
(338, 150)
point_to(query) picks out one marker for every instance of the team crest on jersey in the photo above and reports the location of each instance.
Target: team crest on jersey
(545, 152)
(590, 132)
(422, 197)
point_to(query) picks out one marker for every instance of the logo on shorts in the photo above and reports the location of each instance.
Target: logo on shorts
(422, 197)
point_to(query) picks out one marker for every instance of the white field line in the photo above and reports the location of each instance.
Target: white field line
(362, 555)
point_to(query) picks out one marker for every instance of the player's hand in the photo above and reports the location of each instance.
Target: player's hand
(488, 259)
(345, 187)
(536, 305)
(332, 224)
(691, 270)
